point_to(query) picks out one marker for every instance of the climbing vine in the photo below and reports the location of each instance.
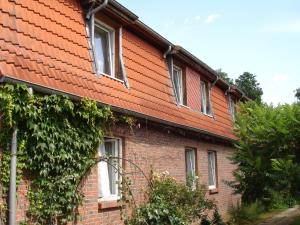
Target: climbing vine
(57, 143)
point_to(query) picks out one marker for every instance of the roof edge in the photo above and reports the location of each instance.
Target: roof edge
(146, 30)
(50, 90)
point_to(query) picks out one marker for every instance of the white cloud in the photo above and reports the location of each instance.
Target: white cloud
(211, 18)
(292, 26)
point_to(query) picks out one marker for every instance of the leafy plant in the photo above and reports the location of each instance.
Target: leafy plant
(267, 154)
(170, 202)
(57, 143)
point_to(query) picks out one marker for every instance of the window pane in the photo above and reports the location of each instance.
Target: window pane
(101, 50)
(177, 76)
(203, 97)
(231, 107)
(211, 169)
(190, 157)
(190, 162)
(108, 171)
(110, 151)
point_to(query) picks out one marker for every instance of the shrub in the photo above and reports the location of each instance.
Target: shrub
(268, 153)
(170, 202)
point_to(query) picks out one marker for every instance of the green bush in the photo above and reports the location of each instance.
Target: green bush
(246, 214)
(170, 202)
(267, 154)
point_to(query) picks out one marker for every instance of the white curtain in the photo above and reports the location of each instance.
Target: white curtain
(190, 158)
(103, 176)
(211, 169)
(178, 84)
(203, 97)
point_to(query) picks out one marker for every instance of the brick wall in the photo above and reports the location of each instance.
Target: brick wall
(149, 147)
(161, 150)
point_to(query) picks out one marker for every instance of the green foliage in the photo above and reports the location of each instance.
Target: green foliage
(267, 153)
(246, 214)
(57, 143)
(248, 84)
(224, 76)
(170, 202)
(297, 94)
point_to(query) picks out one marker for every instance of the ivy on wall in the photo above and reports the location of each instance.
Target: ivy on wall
(57, 142)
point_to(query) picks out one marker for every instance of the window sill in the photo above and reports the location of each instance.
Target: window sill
(213, 191)
(111, 77)
(102, 205)
(209, 115)
(184, 106)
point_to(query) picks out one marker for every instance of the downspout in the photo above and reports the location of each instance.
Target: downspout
(13, 174)
(95, 10)
(214, 83)
(226, 92)
(12, 180)
(168, 51)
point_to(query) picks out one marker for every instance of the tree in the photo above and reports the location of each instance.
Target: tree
(224, 76)
(248, 84)
(297, 95)
(268, 153)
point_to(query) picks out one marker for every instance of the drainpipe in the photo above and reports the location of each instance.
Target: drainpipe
(13, 175)
(12, 180)
(98, 8)
(168, 51)
(214, 83)
(226, 92)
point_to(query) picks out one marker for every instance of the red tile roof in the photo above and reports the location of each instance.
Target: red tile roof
(45, 43)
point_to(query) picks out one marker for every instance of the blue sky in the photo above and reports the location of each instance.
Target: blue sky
(261, 37)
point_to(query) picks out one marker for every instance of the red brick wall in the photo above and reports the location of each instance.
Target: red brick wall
(161, 149)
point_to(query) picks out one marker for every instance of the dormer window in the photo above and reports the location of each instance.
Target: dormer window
(179, 85)
(177, 77)
(205, 98)
(231, 105)
(104, 49)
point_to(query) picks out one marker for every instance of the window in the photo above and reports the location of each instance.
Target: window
(212, 181)
(231, 107)
(108, 172)
(177, 76)
(190, 162)
(205, 98)
(104, 49)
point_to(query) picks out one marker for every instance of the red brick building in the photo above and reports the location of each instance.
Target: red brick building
(101, 50)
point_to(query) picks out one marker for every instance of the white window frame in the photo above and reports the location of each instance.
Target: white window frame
(179, 92)
(111, 47)
(231, 105)
(204, 96)
(214, 167)
(101, 164)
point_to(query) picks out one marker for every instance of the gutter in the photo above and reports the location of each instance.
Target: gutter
(47, 90)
